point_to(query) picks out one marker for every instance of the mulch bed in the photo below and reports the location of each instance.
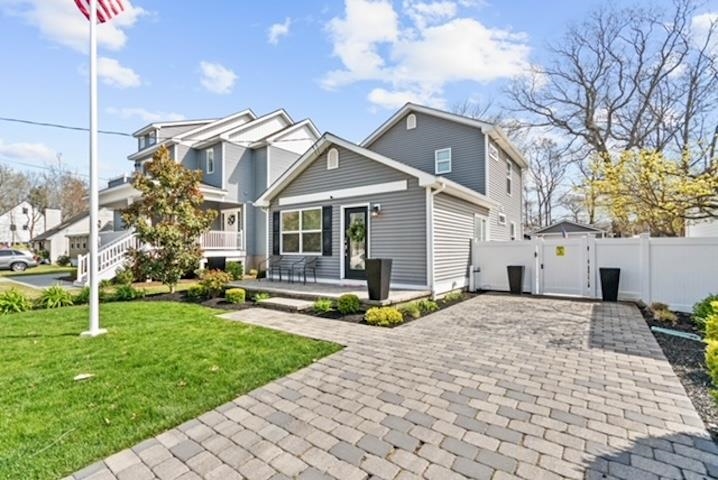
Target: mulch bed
(687, 357)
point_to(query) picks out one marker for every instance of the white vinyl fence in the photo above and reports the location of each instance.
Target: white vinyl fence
(675, 271)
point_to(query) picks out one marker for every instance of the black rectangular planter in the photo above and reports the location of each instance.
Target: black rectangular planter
(378, 277)
(610, 278)
(516, 278)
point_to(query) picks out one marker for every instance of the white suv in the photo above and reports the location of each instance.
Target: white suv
(16, 260)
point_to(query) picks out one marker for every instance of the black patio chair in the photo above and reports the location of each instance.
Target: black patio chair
(274, 265)
(304, 265)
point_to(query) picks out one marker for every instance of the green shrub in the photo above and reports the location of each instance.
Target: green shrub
(323, 305)
(105, 283)
(196, 293)
(83, 296)
(235, 295)
(55, 297)
(410, 310)
(12, 301)
(214, 281)
(427, 306)
(455, 296)
(348, 304)
(665, 316)
(63, 261)
(711, 323)
(384, 316)
(124, 276)
(236, 270)
(125, 293)
(702, 309)
(712, 360)
(259, 296)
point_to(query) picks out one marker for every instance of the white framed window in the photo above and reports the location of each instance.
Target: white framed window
(141, 143)
(481, 228)
(442, 161)
(512, 231)
(509, 171)
(151, 138)
(411, 122)
(333, 159)
(301, 231)
(209, 160)
(493, 152)
(502, 219)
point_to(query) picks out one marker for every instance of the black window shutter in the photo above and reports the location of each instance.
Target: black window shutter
(327, 231)
(275, 233)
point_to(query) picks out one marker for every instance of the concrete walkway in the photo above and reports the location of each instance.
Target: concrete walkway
(496, 387)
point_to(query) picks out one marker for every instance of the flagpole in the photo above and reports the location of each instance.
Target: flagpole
(94, 328)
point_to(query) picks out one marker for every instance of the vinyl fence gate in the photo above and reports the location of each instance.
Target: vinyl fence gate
(675, 271)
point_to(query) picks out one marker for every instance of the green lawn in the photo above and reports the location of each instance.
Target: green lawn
(160, 364)
(27, 291)
(39, 270)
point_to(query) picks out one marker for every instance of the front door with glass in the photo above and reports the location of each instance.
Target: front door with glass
(355, 242)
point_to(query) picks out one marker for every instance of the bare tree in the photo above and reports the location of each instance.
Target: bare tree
(628, 78)
(547, 170)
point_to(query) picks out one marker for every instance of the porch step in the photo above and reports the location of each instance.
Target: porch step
(288, 304)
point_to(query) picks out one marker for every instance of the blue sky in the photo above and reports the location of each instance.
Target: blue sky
(346, 65)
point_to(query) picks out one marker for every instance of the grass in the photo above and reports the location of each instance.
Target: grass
(161, 364)
(39, 270)
(27, 291)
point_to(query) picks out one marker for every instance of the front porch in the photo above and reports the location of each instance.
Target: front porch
(314, 291)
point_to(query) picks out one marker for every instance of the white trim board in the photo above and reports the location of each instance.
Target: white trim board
(387, 187)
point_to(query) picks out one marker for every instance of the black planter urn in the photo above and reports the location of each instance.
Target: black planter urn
(610, 278)
(378, 277)
(516, 278)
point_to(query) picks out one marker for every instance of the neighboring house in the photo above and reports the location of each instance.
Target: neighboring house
(70, 237)
(424, 185)
(702, 228)
(567, 228)
(240, 156)
(22, 222)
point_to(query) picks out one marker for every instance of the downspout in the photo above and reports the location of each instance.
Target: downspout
(430, 233)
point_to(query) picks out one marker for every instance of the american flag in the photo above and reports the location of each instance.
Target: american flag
(106, 9)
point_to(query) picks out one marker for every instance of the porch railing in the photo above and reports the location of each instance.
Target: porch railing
(222, 240)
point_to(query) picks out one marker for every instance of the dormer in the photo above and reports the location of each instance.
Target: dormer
(146, 139)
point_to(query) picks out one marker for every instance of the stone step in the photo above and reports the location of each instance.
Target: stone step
(288, 304)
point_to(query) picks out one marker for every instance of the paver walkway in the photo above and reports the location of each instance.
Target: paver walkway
(496, 387)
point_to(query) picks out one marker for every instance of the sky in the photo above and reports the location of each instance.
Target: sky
(347, 65)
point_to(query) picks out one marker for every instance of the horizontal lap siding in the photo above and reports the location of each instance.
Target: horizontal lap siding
(453, 232)
(398, 233)
(510, 204)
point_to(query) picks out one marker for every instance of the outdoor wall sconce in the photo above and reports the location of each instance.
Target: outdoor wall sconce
(375, 210)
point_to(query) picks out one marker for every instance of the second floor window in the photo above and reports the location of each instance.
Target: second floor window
(442, 161)
(508, 177)
(209, 160)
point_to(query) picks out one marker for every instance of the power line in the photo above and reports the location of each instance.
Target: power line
(42, 167)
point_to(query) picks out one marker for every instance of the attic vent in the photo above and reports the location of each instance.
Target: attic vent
(411, 122)
(333, 159)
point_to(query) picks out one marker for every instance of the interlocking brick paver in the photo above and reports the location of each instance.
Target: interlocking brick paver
(496, 387)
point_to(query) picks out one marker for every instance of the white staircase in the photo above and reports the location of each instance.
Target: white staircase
(111, 258)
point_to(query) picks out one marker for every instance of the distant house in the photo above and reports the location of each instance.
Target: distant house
(70, 237)
(702, 228)
(567, 228)
(23, 221)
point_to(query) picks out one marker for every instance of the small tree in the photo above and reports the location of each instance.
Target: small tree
(167, 218)
(644, 190)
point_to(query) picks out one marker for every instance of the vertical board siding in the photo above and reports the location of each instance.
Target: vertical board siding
(398, 233)
(416, 147)
(453, 235)
(512, 204)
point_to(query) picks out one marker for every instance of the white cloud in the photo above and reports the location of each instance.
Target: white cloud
(145, 115)
(113, 73)
(217, 78)
(702, 25)
(26, 151)
(61, 22)
(356, 38)
(279, 30)
(418, 52)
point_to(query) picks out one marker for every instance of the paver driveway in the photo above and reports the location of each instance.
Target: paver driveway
(496, 387)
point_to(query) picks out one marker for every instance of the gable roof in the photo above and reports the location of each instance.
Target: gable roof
(569, 227)
(286, 131)
(70, 221)
(328, 139)
(178, 123)
(494, 131)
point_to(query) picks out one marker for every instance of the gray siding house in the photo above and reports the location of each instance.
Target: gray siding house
(240, 156)
(424, 187)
